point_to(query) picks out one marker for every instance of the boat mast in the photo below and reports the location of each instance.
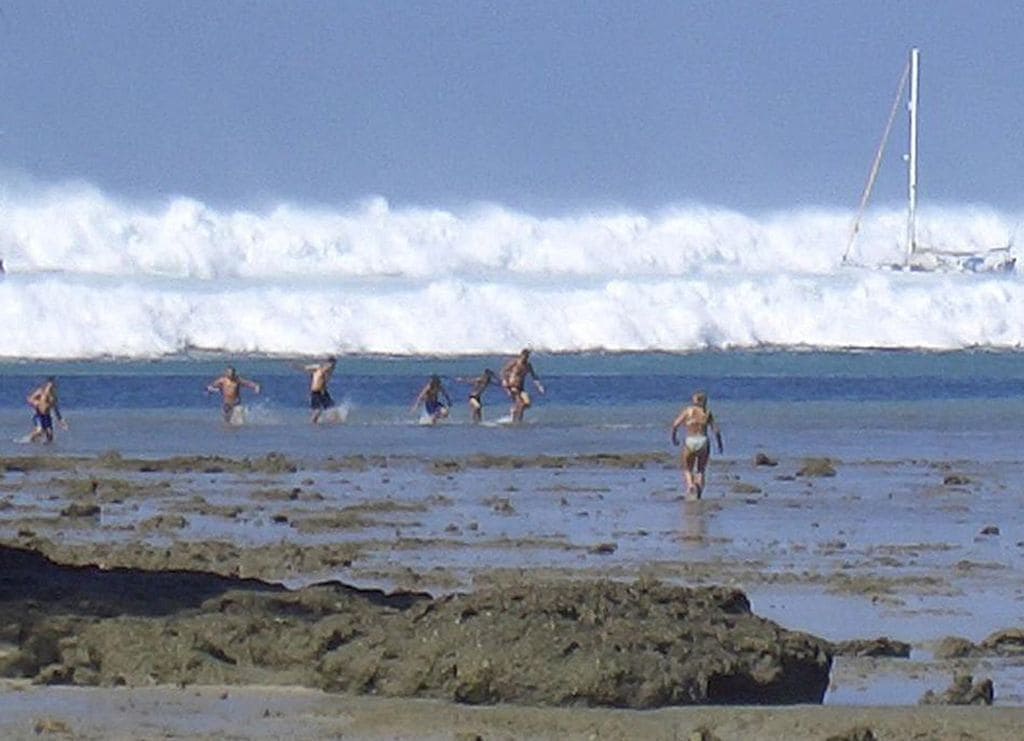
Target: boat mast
(912, 159)
(877, 163)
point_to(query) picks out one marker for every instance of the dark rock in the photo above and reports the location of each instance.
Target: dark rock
(955, 479)
(873, 647)
(603, 548)
(702, 733)
(51, 725)
(591, 643)
(990, 530)
(954, 647)
(1009, 642)
(81, 509)
(963, 691)
(762, 459)
(501, 505)
(857, 733)
(54, 674)
(817, 467)
(163, 523)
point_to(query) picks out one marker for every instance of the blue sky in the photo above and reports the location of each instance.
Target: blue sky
(539, 105)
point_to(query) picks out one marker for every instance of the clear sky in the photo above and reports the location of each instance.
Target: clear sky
(551, 105)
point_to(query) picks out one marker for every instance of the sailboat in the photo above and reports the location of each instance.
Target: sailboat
(918, 257)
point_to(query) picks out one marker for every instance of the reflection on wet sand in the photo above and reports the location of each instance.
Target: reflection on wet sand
(694, 524)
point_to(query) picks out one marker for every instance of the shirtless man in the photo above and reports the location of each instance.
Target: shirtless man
(230, 387)
(45, 407)
(513, 378)
(477, 388)
(430, 398)
(319, 396)
(697, 419)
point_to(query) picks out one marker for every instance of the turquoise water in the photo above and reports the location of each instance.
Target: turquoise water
(887, 405)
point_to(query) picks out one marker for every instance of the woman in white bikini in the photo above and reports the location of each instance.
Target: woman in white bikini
(697, 419)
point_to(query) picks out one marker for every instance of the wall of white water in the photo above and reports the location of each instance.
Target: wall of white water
(89, 276)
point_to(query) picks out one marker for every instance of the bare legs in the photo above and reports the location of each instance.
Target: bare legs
(520, 403)
(694, 465)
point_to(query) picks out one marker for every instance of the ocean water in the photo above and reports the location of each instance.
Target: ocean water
(898, 377)
(894, 422)
(876, 405)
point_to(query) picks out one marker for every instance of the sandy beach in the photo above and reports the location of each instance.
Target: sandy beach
(287, 712)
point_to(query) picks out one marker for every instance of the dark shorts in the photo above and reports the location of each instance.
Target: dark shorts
(320, 400)
(43, 421)
(433, 407)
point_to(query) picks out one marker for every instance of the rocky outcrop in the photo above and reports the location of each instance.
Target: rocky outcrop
(640, 645)
(963, 691)
(817, 467)
(873, 647)
(1008, 642)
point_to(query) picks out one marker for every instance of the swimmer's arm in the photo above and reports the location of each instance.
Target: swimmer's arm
(444, 392)
(718, 433)
(536, 379)
(676, 424)
(250, 384)
(419, 398)
(215, 386)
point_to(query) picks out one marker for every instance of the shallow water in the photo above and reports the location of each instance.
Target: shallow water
(885, 547)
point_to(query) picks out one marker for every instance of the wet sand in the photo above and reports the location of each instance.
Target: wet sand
(915, 550)
(218, 712)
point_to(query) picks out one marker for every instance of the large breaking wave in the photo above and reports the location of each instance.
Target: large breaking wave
(92, 276)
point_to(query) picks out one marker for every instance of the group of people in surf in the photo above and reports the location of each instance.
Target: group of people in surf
(437, 402)
(695, 418)
(434, 397)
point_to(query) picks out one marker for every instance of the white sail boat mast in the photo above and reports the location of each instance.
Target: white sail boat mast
(912, 158)
(875, 166)
(916, 257)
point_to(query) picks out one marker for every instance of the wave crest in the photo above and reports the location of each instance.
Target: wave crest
(94, 276)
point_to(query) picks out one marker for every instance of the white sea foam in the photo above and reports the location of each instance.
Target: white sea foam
(92, 276)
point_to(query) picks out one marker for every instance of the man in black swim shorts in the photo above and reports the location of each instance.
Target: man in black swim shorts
(319, 397)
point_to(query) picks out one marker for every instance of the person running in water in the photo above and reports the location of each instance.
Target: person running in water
(477, 388)
(430, 398)
(513, 378)
(697, 419)
(45, 407)
(319, 396)
(230, 387)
